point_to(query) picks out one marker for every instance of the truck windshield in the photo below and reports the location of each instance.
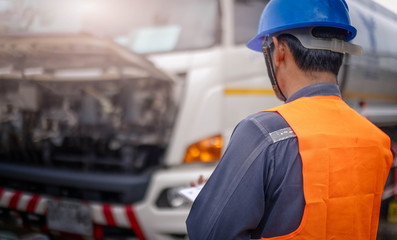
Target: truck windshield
(140, 25)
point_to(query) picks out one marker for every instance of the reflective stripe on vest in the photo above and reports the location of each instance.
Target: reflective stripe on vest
(345, 163)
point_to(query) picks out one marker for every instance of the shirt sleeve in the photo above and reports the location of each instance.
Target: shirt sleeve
(231, 204)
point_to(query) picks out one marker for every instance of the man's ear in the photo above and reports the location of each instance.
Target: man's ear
(279, 51)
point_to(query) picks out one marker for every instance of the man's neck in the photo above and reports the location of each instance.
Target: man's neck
(304, 79)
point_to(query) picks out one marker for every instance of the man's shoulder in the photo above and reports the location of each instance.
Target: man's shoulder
(270, 124)
(269, 121)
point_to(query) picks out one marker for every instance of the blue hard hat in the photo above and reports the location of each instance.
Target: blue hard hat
(281, 15)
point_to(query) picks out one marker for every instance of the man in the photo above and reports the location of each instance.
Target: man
(309, 169)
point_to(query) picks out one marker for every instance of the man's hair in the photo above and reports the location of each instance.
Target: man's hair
(313, 59)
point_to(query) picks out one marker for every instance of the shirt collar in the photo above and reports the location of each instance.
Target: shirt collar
(317, 89)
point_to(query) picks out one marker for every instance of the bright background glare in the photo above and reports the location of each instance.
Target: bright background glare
(389, 4)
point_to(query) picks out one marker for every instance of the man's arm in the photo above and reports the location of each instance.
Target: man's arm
(231, 204)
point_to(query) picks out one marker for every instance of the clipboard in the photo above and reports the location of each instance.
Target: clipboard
(191, 193)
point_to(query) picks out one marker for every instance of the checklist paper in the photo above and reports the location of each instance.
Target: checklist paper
(191, 193)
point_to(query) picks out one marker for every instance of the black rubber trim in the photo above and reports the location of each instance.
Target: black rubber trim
(131, 187)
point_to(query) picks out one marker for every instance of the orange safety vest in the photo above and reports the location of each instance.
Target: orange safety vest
(345, 163)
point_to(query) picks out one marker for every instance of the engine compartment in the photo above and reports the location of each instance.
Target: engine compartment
(80, 104)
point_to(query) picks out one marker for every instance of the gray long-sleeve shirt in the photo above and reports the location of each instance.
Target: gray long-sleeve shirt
(256, 190)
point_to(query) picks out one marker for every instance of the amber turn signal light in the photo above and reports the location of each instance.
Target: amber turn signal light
(206, 150)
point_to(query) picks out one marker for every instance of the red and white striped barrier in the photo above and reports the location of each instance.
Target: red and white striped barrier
(103, 214)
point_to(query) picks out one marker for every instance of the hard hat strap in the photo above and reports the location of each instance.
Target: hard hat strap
(270, 71)
(332, 44)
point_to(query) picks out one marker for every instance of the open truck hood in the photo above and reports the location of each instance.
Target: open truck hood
(76, 100)
(50, 57)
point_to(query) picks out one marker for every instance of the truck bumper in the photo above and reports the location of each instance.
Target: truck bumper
(147, 218)
(165, 223)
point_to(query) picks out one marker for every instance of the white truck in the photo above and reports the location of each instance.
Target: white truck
(108, 108)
